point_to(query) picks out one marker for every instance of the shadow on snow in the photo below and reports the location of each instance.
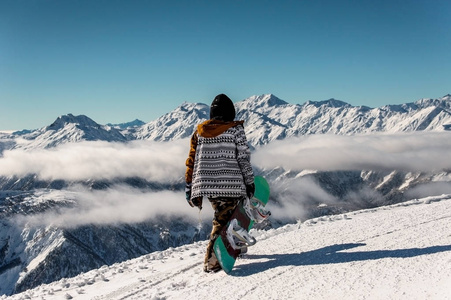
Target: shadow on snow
(329, 255)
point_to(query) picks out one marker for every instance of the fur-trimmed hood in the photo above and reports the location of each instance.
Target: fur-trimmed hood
(213, 128)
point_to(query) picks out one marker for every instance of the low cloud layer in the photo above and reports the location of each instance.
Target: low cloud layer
(165, 161)
(415, 151)
(295, 197)
(119, 204)
(429, 189)
(122, 204)
(154, 161)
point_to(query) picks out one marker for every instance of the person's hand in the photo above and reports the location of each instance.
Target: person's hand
(250, 190)
(195, 202)
(188, 194)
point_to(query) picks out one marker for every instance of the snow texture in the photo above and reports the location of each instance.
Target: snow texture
(401, 251)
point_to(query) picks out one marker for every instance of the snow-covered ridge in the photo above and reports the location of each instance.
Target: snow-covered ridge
(134, 123)
(392, 252)
(267, 118)
(66, 129)
(180, 123)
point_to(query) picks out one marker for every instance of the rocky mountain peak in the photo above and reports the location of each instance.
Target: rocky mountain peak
(262, 101)
(331, 103)
(81, 120)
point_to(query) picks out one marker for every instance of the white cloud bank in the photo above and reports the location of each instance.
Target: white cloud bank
(154, 161)
(415, 151)
(295, 195)
(117, 205)
(165, 161)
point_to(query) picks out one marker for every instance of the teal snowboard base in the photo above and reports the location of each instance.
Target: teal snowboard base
(224, 251)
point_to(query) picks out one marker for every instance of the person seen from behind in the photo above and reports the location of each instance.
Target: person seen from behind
(219, 168)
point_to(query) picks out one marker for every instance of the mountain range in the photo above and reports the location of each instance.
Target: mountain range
(267, 118)
(31, 255)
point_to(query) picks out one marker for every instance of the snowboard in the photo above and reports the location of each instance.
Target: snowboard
(235, 237)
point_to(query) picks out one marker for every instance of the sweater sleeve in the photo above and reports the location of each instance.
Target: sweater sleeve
(244, 155)
(191, 156)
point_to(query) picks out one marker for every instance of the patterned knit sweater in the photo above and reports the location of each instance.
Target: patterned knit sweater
(219, 160)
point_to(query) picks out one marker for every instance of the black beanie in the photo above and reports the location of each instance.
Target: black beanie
(222, 108)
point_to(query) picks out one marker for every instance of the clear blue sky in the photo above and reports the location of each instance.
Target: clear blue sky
(115, 61)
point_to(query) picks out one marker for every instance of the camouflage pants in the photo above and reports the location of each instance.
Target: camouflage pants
(223, 209)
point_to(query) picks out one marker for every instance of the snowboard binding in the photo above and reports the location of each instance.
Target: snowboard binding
(234, 237)
(255, 210)
(238, 237)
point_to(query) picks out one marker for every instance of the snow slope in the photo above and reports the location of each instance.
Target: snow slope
(401, 251)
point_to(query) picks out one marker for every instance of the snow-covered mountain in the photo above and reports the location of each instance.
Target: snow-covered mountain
(31, 255)
(393, 252)
(134, 123)
(267, 118)
(66, 129)
(180, 123)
